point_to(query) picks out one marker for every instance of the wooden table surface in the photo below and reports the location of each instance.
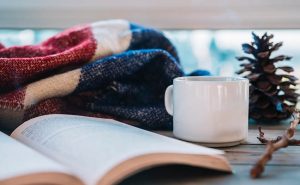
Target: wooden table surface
(283, 169)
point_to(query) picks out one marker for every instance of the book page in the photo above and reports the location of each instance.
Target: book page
(17, 160)
(92, 146)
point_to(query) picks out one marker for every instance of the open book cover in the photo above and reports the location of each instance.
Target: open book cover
(66, 149)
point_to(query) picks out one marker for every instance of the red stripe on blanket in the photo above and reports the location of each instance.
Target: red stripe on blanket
(49, 106)
(21, 64)
(13, 100)
(63, 106)
(58, 106)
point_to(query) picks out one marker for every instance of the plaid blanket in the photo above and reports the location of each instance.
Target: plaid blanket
(113, 69)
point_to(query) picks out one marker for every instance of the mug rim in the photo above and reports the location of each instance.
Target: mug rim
(211, 79)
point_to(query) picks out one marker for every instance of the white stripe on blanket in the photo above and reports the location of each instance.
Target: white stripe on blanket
(55, 86)
(112, 37)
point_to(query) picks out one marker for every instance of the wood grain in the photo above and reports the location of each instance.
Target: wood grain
(183, 175)
(248, 154)
(269, 131)
(282, 169)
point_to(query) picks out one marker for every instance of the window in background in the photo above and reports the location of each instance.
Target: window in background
(207, 34)
(198, 49)
(216, 50)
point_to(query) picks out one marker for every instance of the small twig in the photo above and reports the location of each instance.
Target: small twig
(282, 142)
(264, 140)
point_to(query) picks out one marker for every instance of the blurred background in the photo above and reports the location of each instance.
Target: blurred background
(207, 34)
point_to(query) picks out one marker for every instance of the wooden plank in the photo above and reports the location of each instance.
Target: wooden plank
(183, 175)
(252, 134)
(251, 150)
(270, 132)
(284, 166)
(249, 154)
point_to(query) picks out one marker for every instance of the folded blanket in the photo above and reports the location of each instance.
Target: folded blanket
(110, 69)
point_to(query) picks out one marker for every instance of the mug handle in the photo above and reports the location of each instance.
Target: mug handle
(169, 99)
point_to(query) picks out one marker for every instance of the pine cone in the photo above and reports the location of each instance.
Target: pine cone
(272, 89)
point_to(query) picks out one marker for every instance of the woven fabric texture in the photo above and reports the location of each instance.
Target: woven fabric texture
(112, 69)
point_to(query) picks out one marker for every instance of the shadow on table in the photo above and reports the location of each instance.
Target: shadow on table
(186, 175)
(173, 174)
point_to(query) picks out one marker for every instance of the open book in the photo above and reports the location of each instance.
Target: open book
(66, 149)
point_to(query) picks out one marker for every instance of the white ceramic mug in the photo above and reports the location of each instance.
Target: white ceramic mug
(211, 110)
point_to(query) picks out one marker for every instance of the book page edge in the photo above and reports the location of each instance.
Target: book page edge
(139, 163)
(43, 178)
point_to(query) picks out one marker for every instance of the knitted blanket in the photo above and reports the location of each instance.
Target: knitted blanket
(113, 69)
